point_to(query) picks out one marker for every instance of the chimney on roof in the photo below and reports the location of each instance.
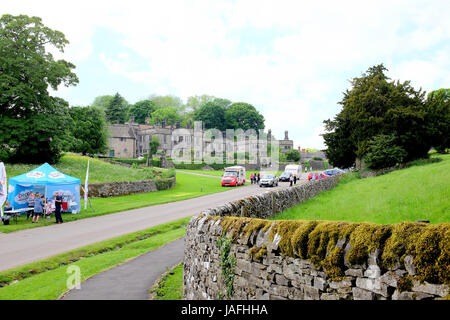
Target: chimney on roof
(286, 136)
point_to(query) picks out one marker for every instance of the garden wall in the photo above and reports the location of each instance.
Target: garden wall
(121, 188)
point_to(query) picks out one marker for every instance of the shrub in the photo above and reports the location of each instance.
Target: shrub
(156, 162)
(293, 155)
(169, 173)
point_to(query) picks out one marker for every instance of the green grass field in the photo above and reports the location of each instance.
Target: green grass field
(420, 192)
(46, 279)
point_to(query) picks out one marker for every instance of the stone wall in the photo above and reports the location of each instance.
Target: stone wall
(272, 202)
(121, 188)
(262, 271)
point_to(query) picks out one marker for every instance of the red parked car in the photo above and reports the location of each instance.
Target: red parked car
(316, 176)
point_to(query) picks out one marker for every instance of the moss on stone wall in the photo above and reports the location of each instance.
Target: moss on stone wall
(405, 283)
(322, 242)
(257, 253)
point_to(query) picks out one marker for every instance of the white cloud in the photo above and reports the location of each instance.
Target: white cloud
(295, 75)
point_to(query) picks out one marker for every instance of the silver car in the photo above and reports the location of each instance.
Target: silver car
(269, 180)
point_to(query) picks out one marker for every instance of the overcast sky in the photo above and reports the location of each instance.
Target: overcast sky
(290, 59)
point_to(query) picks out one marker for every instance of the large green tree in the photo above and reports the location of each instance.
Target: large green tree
(195, 102)
(117, 110)
(212, 115)
(88, 130)
(241, 115)
(169, 114)
(141, 110)
(438, 108)
(377, 106)
(33, 124)
(103, 101)
(167, 101)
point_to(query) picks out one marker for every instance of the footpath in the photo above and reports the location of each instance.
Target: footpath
(131, 280)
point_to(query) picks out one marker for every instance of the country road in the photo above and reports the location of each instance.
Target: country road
(29, 245)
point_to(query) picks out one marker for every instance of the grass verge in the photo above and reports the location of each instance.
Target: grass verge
(46, 279)
(170, 287)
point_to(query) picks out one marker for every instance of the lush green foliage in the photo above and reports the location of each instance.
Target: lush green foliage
(377, 106)
(212, 115)
(32, 123)
(141, 110)
(383, 152)
(293, 155)
(169, 114)
(243, 116)
(227, 263)
(438, 107)
(167, 101)
(88, 130)
(103, 101)
(154, 145)
(117, 110)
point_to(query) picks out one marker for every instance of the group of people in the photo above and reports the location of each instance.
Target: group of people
(254, 178)
(39, 204)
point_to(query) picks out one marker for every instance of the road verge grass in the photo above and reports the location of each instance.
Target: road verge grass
(170, 285)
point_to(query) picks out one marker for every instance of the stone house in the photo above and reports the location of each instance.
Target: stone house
(131, 140)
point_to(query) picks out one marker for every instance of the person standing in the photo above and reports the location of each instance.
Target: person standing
(30, 205)
(295, 179)
(259, 177)
(58, 204)
(38, 208)
(291, 180)
(251, 178)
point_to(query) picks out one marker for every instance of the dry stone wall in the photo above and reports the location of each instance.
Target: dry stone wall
(266, 264)
(121, 188)
(270, 203)
(262, 272)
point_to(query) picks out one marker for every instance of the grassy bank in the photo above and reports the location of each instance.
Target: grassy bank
(420, 192)
(187, 187)
(99, 170)
(46, 279)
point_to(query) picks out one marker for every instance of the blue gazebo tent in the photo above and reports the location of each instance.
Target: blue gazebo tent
(45, 180)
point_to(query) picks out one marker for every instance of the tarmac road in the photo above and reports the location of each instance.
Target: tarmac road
(35, 244)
